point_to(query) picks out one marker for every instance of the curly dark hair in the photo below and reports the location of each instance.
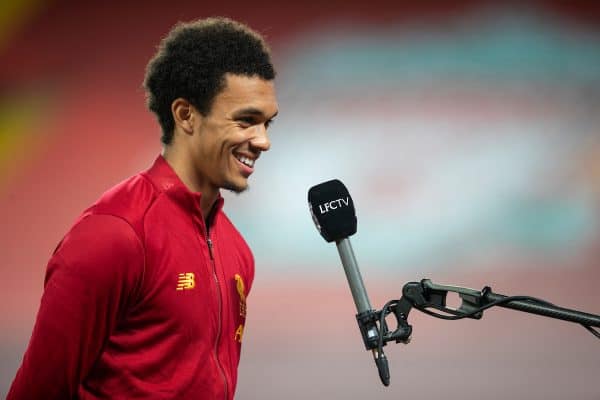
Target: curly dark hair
(192, 60)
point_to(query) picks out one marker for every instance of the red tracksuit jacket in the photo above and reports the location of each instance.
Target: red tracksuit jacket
(140, 300)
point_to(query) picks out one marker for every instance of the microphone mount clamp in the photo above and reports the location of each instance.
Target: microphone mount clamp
(426, 295)
(420, 295)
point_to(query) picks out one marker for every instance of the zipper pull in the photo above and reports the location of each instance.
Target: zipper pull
(209, 242)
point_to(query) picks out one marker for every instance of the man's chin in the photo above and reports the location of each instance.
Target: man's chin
(235, 188)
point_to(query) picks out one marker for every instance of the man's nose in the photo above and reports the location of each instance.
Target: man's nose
(260, 141)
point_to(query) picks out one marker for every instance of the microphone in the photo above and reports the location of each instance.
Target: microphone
(333, 213)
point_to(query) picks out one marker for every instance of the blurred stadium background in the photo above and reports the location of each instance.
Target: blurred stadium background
(468, 133)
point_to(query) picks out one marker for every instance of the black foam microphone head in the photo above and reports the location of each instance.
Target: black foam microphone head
(332, 210)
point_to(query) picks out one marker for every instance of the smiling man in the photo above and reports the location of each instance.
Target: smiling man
(145, 296)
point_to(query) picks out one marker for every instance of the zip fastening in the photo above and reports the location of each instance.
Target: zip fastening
(212, 260)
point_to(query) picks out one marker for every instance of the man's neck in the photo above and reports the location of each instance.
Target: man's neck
(184, 170)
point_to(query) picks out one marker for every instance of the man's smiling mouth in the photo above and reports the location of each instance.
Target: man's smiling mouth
(249, 162)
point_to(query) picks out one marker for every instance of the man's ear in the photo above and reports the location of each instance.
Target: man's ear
(183, 115)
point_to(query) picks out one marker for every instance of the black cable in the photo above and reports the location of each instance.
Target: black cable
(592, 330)
(456, 315)
(384, 312)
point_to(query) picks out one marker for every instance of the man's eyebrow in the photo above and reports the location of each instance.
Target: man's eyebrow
(252, 111)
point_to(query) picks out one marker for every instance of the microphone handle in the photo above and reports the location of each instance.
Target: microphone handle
(357, 287)
(368, 328)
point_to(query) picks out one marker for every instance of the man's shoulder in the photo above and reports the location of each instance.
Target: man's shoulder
(228, 226)
(233, 234)
(128, 200)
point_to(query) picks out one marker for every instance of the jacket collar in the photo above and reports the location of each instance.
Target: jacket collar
(166, 180)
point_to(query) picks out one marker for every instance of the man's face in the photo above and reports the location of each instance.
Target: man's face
(232, 136)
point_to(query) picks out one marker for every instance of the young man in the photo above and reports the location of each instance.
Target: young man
(145, 297)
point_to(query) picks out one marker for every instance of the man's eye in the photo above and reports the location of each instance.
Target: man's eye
(269, 123)
(247, 121)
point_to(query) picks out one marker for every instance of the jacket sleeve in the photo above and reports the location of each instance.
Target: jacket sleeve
(92, 278)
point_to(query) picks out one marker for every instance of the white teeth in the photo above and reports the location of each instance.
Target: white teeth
(246, 161)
